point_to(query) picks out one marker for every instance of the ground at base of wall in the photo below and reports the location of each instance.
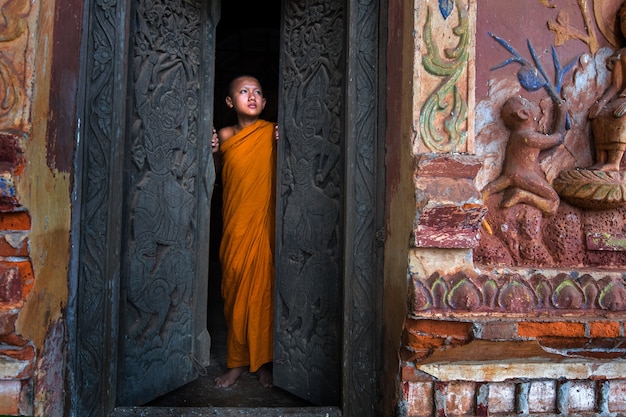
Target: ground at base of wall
(226, 412)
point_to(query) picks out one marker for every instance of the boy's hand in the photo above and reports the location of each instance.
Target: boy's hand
(276, 135)
(215, 142)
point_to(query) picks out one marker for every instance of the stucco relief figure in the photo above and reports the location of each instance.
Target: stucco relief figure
(608, 114)
(522, 179)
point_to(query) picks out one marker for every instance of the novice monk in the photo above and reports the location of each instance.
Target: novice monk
(247, 247)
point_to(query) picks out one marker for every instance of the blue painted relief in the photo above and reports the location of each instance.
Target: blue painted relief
(533, 77)
(446, 7)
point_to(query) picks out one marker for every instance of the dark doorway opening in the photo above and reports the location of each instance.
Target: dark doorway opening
(247, 42)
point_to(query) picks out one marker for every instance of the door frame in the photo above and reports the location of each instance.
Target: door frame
(93, 316)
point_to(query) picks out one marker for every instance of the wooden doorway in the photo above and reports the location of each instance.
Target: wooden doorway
(109, 152)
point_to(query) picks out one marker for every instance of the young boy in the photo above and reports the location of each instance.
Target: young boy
(247, 248)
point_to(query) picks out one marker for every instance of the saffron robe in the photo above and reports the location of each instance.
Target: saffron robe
(247, 246)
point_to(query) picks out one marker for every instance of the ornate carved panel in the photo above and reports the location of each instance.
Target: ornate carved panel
(518, 293)
(364, 174)
(164, 149)
(93, 322)
(315, 67)
(144, 198)
(307, 344)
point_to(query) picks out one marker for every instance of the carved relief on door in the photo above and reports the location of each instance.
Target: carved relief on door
(161, 159)
(165, 183)
(308, 337)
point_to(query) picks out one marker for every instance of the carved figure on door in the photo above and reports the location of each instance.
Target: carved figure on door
(311, 221)
(162, 207)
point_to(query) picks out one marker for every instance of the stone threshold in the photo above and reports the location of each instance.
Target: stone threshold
(492, 361)
(225, 412)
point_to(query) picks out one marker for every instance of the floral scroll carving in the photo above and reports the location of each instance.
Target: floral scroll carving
(443, 117)
(15, 63)
(513, 293)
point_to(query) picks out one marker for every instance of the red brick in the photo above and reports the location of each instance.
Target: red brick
(11, 286)
(12, 339)
(557, 328)
(10, 151)
(460, 398)
(16, 220)
(24, 353)
(499, 331)
(28, 276)
(566, 343)
(604, 329)
(409, 373)
(7, 323)
(597, 355)
(419, 398)
(10, 397)
(408, 355)
(606, 343)
(421, 354)
(501, 398)
(440, 328)
(18, 250)
(617, 396)
(418, 342)
(16, 281)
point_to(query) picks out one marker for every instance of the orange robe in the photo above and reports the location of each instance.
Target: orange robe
(247, 247)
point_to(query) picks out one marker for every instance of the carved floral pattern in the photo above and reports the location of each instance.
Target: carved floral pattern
(94, 324)
(14, 62)
(592, 189)
(511, 293)
(444, 113)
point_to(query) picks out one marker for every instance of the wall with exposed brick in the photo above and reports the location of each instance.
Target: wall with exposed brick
(35, 201)
(509, 310)
(471, 326)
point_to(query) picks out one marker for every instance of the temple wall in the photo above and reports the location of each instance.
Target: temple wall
(516, 297)
(37, 124)
(509, 310)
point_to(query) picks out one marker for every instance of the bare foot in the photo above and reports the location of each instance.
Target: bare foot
(230, 377)
(264, 375)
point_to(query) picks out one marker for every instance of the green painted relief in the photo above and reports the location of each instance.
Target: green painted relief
(444, 114)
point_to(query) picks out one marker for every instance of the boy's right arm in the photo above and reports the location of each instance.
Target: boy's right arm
(225, 133)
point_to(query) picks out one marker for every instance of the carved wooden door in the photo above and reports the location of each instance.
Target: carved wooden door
(168, 182)
(308, 293)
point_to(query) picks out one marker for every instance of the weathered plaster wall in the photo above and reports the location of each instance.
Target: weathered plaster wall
(45, 192)
(42, 42)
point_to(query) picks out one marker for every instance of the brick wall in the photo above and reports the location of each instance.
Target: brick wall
(17, 355)
(495, 364)
(483, 367)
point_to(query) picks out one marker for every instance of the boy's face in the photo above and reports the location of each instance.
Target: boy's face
(246, 97)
